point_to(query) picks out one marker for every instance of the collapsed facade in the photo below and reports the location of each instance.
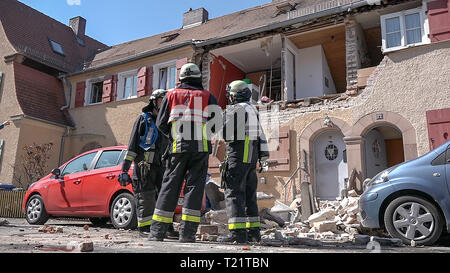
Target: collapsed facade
(355, 86)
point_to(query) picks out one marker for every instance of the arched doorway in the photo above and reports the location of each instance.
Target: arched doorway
(383, 148)
(330, 164)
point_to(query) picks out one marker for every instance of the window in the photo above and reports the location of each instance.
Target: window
(96, 92)
(127, 85)
(165, 76)
(440, 160)
(402, 29)
(80, 164)
(56, 47)
(108, 159)
(122, 157)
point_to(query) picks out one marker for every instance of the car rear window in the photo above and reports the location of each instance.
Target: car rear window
(108, 159)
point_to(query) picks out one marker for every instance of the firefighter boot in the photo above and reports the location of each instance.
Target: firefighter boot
(188, 231)
(171, 233)
(144, 231)
(253, 235)
(238, 236)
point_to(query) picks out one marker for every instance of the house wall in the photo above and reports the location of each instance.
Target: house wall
(403, 87)
(109, 124)
(37, 132)
(9, 106)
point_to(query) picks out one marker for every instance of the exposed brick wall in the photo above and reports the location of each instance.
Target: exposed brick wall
(356, 53)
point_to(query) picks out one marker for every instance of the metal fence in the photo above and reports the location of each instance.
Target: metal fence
(11, 204)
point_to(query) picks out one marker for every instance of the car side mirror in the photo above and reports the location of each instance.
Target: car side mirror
(56, 172)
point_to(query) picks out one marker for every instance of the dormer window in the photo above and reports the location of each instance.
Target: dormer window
(56, 47)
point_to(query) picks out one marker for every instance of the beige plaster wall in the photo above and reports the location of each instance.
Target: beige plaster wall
(33, 131)
(9, 106)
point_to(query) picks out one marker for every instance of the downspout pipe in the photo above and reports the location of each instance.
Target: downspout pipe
(65, 83)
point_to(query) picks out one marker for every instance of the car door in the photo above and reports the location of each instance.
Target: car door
(101, 182)
(447, 168)
(65, 193)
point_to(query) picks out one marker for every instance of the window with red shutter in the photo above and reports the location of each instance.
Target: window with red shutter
(109, 88)
(439, 20)
(438, 127)
(145, 81)
(79, 94)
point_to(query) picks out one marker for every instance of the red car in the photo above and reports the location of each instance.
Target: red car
(87, 187)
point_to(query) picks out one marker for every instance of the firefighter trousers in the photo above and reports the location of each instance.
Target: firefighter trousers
(240, 195)
(193, 167)
(145, 188)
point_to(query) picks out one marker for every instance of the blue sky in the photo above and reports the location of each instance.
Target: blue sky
(118, 21)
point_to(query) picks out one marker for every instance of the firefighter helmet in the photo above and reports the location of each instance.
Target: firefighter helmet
(158, 93)
(190, 70)
(238, 91)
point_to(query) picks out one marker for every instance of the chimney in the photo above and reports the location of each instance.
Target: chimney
(193, 18)
(78, 25)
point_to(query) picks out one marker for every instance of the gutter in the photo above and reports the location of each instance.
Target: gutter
(135, 57)
(21, 116)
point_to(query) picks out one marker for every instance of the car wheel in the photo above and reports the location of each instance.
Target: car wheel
(123, 212)
(35, 211)
(413, 218)
(98, 222)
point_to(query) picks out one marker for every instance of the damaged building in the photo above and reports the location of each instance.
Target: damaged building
(354, 87)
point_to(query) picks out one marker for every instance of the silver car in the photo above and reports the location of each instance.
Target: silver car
(411, 200)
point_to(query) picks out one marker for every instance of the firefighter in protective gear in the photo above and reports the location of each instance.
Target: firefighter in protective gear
(246, 144)
(145, 149)
(183, 117)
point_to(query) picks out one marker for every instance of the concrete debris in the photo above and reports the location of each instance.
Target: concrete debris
(86, 247)
(208, 229)
(282, 211)
(324, 215)
(3, 222)
(50, 229)
(218, 218)
(209, 238)
(80, 247)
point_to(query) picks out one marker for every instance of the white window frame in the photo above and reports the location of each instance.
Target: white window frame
(87, 96)
(121, 84)
(158, 67)
(423, 25)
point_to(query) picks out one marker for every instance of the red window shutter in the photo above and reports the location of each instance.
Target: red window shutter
(109, 88)
(282, 153)
(149, 80)
(79, 94)
(438, 127)
(180, 63)
(439, 20)
(143, 87)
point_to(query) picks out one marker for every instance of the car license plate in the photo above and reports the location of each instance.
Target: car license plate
(180, 201)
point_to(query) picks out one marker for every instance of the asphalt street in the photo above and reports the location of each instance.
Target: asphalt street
(20, 237)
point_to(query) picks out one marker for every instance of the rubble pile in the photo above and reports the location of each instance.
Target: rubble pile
(336, 221)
